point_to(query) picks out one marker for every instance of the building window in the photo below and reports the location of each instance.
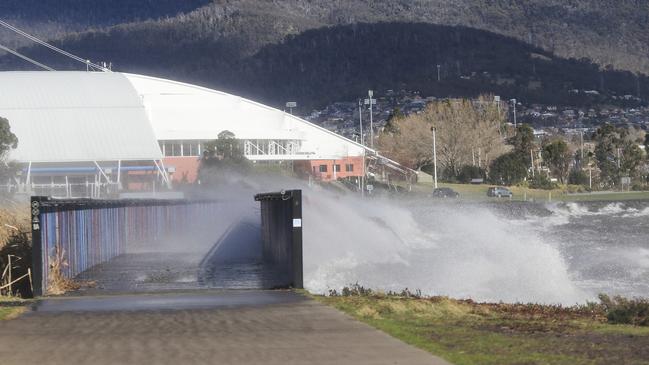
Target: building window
(337, 168)
(349, 167)
(191, 148)
(174, 149)
(323, 168)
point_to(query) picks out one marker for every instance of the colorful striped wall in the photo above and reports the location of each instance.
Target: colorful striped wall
(90, 232)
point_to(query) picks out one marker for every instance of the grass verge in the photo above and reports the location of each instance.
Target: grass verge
(465, 332)
(11, 307)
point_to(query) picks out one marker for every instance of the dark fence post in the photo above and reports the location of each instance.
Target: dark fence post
(296, 203)
(281, 224)
(37, 246)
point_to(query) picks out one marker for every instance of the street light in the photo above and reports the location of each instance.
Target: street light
(439, 78)
(360, 123)
(369, 101)
(434, 156)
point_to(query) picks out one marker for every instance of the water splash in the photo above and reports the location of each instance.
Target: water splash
(454, 250)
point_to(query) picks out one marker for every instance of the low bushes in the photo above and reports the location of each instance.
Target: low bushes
(621, 310)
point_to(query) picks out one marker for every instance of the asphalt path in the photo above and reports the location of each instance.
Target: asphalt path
(198, 327)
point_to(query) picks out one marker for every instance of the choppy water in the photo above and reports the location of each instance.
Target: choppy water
(552, 253)
(606, 245)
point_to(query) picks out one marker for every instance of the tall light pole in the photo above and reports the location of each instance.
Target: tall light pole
(369, 101)
(514, 104)
(439, 75)
(360, 123)
(434, 156)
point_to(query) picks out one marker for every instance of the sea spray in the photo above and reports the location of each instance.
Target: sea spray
(441, 249)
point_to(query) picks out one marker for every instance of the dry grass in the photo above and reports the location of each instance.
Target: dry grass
(14, 217)
(57, 283)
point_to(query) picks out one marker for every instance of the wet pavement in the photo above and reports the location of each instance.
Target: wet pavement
(159, 271)
(175, 300)
(209, 327)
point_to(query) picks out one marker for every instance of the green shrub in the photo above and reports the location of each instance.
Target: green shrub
(578, 177)
(621, 310)
(540, 181)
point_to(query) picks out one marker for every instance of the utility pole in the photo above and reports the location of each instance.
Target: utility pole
(434, 156)
(369, 101)
(439, 75)
(532, 159)
(514, 104)
(581, 137)
(360, 122)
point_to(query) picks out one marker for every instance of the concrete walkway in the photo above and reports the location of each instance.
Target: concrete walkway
(211, 327)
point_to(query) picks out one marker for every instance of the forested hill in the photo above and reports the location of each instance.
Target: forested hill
(324, 65)
(611, 32)
(53, 19)
(318, 51)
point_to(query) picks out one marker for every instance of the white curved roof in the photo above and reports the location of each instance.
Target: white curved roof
(75, 116)
(71, 116)
(180, 111)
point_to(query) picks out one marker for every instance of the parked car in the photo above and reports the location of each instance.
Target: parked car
(445, 193)
(499, 191)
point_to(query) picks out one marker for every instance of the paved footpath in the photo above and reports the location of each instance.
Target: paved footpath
(210, 327)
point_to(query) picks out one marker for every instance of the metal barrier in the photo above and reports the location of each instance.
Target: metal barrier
(85, 232)
(281, 225)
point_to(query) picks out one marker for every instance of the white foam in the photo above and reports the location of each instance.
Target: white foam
(459, 252)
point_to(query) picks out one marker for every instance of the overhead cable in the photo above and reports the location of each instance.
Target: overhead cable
(56, 49)
(15, 53)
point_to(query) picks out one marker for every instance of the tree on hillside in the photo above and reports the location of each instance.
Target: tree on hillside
(467, 133)
(557, 156)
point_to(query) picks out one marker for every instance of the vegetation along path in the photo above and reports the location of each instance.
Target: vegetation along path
(466, 332)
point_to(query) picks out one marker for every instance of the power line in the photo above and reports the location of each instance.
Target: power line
(15, 53)
(56, 49)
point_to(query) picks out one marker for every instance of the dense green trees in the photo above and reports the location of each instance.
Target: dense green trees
(222, 158)
(523, 142)
(508, 169)
(556, 155)
(617, 155)
(8, 141)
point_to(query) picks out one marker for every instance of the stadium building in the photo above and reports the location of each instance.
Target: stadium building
(88, 134)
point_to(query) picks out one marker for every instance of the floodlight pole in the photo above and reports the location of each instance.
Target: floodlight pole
(434, 156)
(360, 123)
(370, 93)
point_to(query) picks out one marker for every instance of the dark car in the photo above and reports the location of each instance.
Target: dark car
(499, 191)
(445, 193)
